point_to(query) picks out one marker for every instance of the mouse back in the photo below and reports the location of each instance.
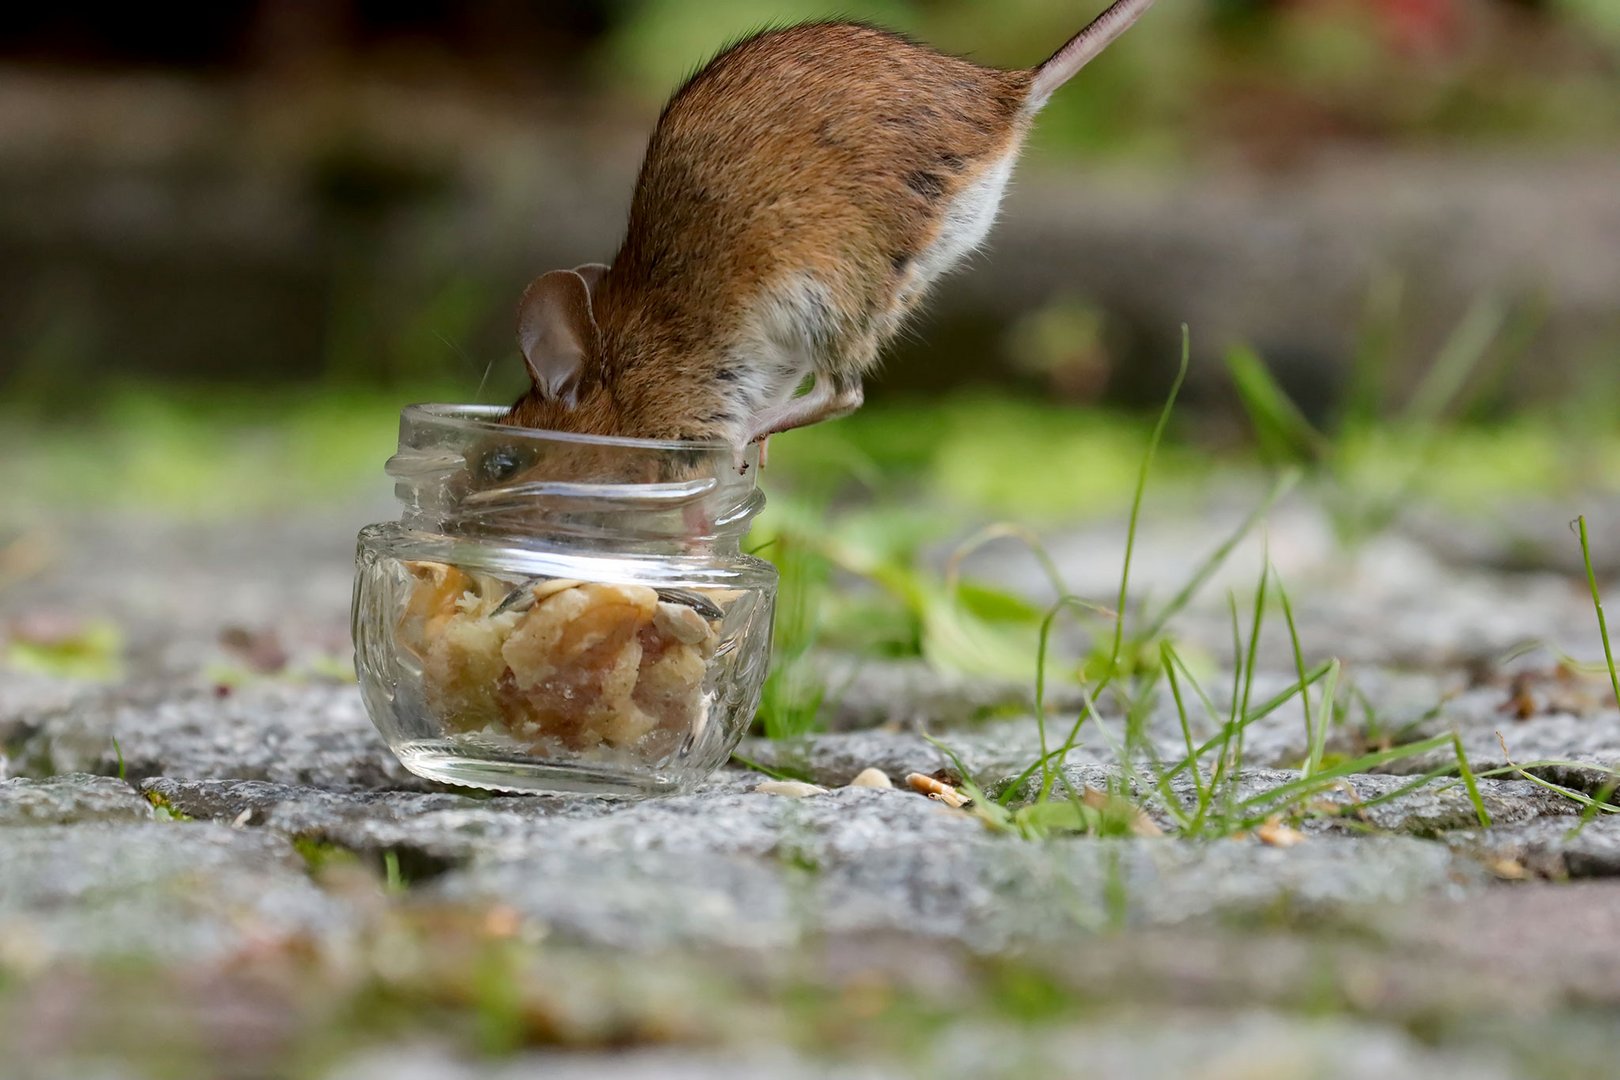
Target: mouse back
(792, 193)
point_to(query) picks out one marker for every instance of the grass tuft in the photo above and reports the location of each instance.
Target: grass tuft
(1200, 794)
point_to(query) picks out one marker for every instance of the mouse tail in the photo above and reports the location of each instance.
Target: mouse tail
(1083, 48)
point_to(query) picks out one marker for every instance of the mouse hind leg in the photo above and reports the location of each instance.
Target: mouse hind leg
(830, 397)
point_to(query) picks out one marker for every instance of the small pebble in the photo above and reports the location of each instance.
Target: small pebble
(873, 778)
(792, 789)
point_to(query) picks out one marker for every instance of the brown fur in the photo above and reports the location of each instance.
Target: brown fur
(829, 148)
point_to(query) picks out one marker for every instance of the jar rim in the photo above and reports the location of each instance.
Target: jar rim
(486, 418)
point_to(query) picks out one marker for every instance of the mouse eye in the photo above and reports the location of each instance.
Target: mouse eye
(500, 464)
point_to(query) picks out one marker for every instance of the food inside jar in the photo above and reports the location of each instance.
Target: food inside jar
(560, 664)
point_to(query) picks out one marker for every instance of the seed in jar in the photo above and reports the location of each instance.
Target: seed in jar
(528, 594)
(694, 600)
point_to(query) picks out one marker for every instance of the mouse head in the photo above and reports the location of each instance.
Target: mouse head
(570, 426)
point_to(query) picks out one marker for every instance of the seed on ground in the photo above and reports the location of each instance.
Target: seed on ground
(872, 778)
(791, 789)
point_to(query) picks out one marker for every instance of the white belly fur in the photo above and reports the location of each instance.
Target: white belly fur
(967, 220)
(794, 327)
(784, 342)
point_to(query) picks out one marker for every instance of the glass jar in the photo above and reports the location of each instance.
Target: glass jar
(553, 612)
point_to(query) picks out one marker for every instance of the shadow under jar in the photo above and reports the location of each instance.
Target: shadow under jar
(559, 613)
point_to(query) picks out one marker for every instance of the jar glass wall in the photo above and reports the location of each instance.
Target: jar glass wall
(559, 613)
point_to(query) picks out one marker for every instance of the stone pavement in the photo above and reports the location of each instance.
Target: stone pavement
(207, 871)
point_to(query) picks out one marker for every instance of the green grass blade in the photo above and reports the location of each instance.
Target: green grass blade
(1405, 789)
(1217, 558)
(1318, 742)
(1573, 795)
(1168, 656)
(1233, 715)
(1604, 798)
(1192, 680)
(950, 755)
(1276, 702)
(1299, 663)
(1468, 344)
(773, 773)
(1249, 664)
(1307, 785)
(1008, 531)
(1597, 605)
(1469, 782)
(1375, 347)
(1136, 498)
(393, 880)
(1041, 658)
(1281, 429)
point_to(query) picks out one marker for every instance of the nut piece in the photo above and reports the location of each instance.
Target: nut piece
(552, 586)
(872, 778)
(575, 659)
(792, 789)
(684, 624)
(671, 681)
(936, 789)
(462, 668)
(588, 629)
(439, 587)
(1275, 834)
(559, 664)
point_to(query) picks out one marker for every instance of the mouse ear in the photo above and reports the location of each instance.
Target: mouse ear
(556, 331)
(593, 274)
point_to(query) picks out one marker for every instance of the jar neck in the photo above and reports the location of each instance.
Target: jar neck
(458, 473)
(692, 524)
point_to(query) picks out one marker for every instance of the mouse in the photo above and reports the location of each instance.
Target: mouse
(798, 197)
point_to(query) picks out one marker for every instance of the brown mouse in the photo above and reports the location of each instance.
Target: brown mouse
(798, 197)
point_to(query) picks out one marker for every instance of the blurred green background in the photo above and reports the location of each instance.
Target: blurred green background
(232, 244)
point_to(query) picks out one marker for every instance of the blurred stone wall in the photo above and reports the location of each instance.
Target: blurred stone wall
(158, 225)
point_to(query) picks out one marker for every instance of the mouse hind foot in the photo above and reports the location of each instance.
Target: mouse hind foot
(828, 399)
